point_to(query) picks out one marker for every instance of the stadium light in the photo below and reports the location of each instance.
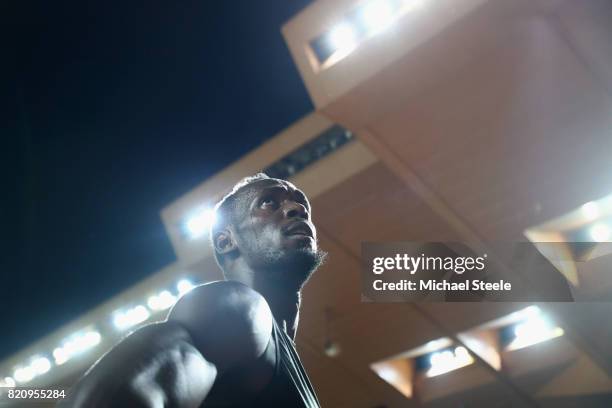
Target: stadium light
(530, 312)
(361, 23)
(377, 15)
(332, 349)
(24, 374)
(40, 365)
(590, 210)
(408, 5)
(601, 233)
(437, 344)
(199, 223)
(445, 361)
(7, 382)
(131, 317)
(60, 355)
(161, 301)
(183, 286)
(388, 374)
(533, 330)
(76, 344)
(343, 38)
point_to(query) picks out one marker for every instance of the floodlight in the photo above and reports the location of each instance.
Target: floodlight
(409, 5)
(601, 233)
(161, 301)
(332, 349)
(342, 38)
(75, 344)
(40, 365)
(377, 15)
(184, 286)
(530, 311)
(131, 317)
(7, 382)
(24, 374)
(533, 330)
(91, 339)
(199, 223)
(590, 210)
(437, 344)
(60, 355)
(448, 360)
(82, 342)
(388, 374)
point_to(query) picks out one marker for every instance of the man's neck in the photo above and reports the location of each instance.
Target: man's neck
(283, 299)
(285, 306)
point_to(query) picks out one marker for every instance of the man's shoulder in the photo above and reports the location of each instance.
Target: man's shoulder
(221, 297)
(223, 316)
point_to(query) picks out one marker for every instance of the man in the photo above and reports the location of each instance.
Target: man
(230, 343)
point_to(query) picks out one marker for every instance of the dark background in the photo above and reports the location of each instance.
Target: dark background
(112, 110)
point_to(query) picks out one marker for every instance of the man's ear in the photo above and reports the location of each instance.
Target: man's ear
(224, 241)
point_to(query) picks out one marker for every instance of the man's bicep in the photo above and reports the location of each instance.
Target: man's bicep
(179, 376)
(230, 323)
(157, 362)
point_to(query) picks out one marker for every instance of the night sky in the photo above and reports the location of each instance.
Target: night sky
(115, 109)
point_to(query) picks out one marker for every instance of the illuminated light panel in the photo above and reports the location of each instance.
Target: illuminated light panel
(7, 382)
(575, 237)
(24, 374)
(377, 15)
(600, 233)
(533, 330)
(332, 349)
(60, 355)
(590, 210)
(198, 224)
(398, 373)
(437, 344)
(184, 286)
(388, 374)
(412, 4)
(131, 317)
(40, 365)
(343, 38)
(162, 301)
(357, 26)
(445, 361)
(529, 312)
(76, 344)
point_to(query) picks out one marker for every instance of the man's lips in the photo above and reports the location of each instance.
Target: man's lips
(299, 228)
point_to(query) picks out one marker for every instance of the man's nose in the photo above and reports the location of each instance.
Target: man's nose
(293, 209)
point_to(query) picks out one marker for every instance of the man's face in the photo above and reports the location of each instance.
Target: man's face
(275, 233)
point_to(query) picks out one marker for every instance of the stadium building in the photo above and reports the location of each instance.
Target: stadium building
(471, 121)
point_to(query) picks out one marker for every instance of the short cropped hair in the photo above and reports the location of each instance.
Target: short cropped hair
(225, 210)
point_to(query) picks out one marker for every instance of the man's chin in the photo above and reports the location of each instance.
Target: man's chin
(296, 265)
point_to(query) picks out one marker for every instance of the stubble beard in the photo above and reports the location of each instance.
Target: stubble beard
(291, 267)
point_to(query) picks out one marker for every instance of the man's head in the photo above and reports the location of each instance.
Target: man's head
(264, 227)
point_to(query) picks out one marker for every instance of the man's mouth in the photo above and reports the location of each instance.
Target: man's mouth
(300, 228)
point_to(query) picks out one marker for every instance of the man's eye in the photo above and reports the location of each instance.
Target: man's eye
(266, 202)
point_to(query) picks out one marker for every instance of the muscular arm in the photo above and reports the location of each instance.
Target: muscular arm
(174, 364)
